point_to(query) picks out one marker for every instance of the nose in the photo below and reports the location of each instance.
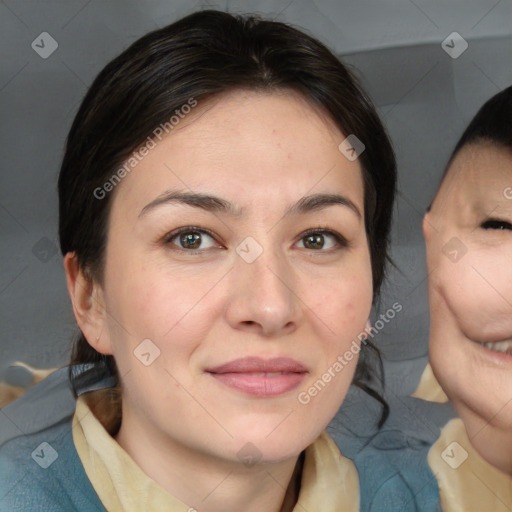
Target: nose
(262, 297)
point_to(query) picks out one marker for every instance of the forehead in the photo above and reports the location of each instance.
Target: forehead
(479, 172)
(246, 143)
(243, 121)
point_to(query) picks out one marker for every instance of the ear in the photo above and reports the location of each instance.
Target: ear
(426, 226)
(88, 305)
(433, 239)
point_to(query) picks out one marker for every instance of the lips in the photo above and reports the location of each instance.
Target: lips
(260, 377)
(259, 365)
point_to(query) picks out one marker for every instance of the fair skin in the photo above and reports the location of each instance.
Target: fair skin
(263, 153)
(471, 299)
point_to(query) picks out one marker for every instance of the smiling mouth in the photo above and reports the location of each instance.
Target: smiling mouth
(502, 347)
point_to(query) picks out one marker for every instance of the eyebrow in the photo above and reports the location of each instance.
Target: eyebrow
(215, 204)
(320, 201)
(203, 201)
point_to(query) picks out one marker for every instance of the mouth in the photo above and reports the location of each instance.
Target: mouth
(260, 377)
(500, 347)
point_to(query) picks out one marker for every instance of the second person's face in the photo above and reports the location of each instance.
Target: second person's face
(469, 248)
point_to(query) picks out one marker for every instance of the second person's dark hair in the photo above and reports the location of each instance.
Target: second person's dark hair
(492, 123)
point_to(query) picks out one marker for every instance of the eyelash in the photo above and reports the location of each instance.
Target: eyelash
(496, 224)
(168, 239)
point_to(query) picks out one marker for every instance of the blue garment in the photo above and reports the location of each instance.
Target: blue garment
(394, 474)
(392, 463)
(39, 467)
(26, 486)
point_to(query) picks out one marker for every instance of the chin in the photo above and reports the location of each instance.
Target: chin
(481, 398)
(278, 442)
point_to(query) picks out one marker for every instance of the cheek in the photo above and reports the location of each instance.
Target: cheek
(477, 291)
(154, 301)
(339, 305)
(355, 293)
(350, 305)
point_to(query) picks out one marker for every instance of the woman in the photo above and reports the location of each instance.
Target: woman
(225, 204)
(468, 231)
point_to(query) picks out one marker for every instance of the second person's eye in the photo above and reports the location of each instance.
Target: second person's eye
(496, 224)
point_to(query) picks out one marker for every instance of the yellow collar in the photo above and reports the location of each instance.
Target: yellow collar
(429, 389)
(330, 482)
(466, 481)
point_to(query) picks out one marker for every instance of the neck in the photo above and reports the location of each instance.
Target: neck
(207, 483)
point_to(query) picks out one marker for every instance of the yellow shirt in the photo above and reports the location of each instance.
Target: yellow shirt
(329, 482)
(466, 481)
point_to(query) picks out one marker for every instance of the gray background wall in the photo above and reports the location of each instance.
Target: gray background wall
(425, 96)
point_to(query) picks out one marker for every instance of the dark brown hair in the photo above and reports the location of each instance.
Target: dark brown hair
(492, 123)
(204, 54)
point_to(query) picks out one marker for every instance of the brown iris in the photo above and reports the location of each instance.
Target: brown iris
(190, 240)
(314, 241)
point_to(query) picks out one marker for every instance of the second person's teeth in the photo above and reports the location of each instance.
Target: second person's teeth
(503, 347)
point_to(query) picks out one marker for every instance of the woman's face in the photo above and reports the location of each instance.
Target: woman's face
(469, 247)
(237, 246)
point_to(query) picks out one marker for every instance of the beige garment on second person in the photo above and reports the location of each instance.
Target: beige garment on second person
(474, 485)
(466, 484)
(330, 482)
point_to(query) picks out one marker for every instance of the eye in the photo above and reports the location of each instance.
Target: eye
(191, 239)
(496, 224)
(321, 240)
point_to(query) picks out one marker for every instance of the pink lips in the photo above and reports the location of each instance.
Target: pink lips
(260, 377)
